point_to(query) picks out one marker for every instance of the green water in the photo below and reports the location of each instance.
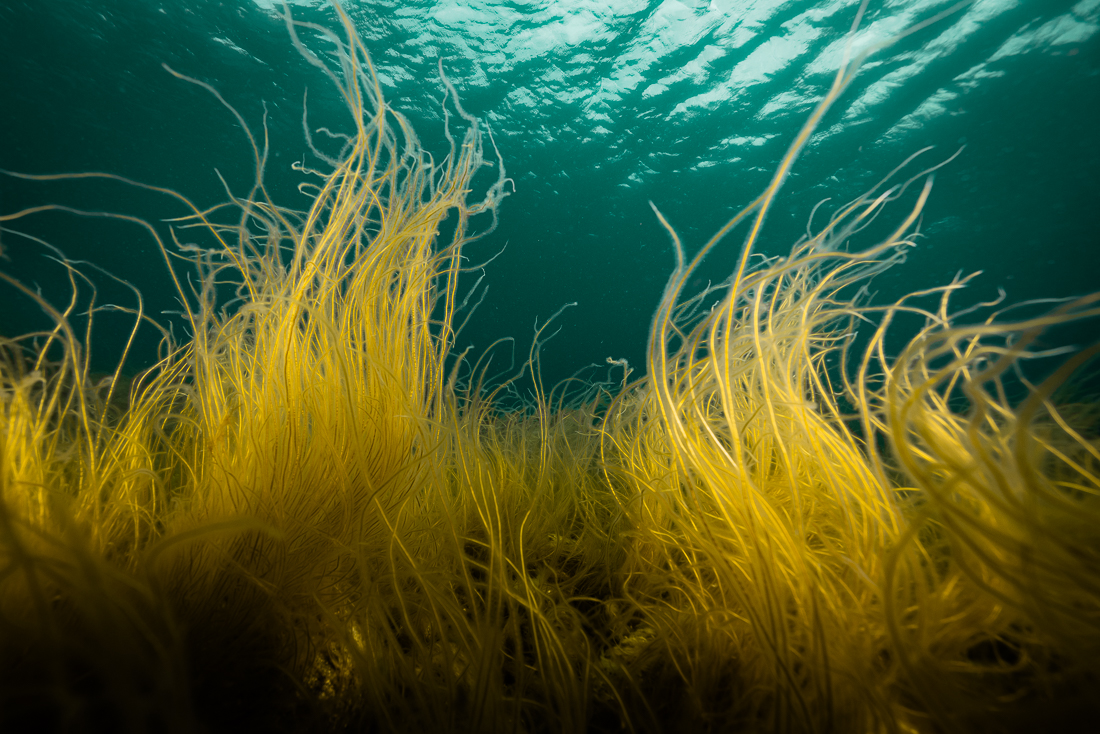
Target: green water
(597, 108)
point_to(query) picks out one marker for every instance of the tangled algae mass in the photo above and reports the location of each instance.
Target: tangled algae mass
(312, 515)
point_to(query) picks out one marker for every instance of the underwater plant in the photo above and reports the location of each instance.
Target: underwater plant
(312, 514)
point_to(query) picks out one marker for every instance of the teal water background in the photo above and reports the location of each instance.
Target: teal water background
(598, 108)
